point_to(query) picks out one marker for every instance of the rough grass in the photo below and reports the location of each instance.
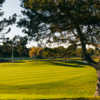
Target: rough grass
(46, 79)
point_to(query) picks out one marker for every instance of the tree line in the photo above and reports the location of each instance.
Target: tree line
(60, 52)
(17, 46)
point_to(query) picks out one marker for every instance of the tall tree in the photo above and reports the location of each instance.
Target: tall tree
(78, 18)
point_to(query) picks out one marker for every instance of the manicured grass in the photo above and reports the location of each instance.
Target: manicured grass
(46, 79)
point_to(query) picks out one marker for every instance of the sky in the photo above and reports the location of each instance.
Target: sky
(11, 7)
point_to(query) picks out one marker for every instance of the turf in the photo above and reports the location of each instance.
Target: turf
(46, 79)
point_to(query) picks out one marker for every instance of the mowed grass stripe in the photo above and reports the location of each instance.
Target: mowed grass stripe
(34, 74)
(47, 79)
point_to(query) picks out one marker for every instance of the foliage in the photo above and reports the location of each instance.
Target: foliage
(20, 48)
(18, 44)
(60, 52)
(35, 52)
(79, 19)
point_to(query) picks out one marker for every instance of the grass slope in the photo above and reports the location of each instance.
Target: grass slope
(45, 79)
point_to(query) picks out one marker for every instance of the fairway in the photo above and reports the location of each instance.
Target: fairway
(45, 79)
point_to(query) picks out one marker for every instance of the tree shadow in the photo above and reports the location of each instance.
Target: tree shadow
(75, 99)
(4, 61)
(78, 62)
(71, 63)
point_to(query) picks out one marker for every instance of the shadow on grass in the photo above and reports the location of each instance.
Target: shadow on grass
(71, 63)
(75, 99)
(78, 62)
(3, 61)
(10, 61)
(17, 61)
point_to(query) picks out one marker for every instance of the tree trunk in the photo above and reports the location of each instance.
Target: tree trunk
(86, 55)
(88, 58)
(97, 93)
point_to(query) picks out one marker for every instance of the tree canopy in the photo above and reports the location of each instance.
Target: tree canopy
(78, 18)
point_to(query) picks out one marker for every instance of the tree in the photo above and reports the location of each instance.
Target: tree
(35, 52)
(45, 54)
(1, 2)
(91, 51)
(1, 14)
(78, 52)
(78, 18)
(17, 46)
(20, 48)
